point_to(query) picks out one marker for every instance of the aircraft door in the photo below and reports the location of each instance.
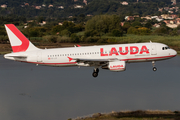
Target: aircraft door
(39, 57)
(153, 50)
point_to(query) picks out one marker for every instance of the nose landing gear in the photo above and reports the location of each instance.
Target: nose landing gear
(154, 68)
(95, 72)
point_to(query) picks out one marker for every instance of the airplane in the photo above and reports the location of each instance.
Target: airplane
(110, 57)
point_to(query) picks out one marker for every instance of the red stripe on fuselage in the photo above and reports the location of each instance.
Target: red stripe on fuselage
(25, 42)
(74, 63)
(149, 58)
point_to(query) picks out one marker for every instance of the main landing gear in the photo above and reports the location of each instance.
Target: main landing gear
(95, 72)
(154, 68)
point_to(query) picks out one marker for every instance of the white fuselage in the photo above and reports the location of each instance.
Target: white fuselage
(137, 52)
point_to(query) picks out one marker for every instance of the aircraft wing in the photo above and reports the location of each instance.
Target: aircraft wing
(93, 62)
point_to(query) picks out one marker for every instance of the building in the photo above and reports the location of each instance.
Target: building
(124, 3)
(27, 4)
(78, 6)
(156, 25)
(4, 6)
(43, 5)
(173, 16)
(61, 7)
(173, 2)
(85, 2)
(147, 17)
(50, 6)
(38, 7)
(129, 18)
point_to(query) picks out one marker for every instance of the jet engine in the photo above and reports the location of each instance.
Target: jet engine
(116, 66)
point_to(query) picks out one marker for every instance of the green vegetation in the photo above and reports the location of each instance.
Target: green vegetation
(100, 29)
(20, 11)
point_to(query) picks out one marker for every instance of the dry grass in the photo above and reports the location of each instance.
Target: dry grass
(135, 115)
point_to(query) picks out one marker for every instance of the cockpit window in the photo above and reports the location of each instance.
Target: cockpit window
(165, 48)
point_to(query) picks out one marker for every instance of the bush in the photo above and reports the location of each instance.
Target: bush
(112, 41)
(91, 39)
(91, 33)
(63, 39)
(65, 33)
(3, 39)
(132, 30)
(74, 38)
(33, 33)
(117, 33)
(161, 31)
(174, 33)
(36, 39)
(50, 38)
(102, 40)
(144, 31)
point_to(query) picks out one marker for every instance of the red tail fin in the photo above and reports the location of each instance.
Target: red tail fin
(19, 42)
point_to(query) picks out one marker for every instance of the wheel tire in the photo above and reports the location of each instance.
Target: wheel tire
(95, 74)
(154, 68)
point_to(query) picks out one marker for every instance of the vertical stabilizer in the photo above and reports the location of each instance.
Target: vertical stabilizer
(19, 42)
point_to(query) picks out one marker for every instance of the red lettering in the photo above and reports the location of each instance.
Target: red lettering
(144, 49)
(134, 50)
(113, 51)
(121, 51)
(116, 66)
(102, 52)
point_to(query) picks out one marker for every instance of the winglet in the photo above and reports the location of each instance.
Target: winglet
(19, 42)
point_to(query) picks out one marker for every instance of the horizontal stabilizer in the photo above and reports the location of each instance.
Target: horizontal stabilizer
(15, 56)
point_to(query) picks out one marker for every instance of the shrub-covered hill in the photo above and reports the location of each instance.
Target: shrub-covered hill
(28, 8)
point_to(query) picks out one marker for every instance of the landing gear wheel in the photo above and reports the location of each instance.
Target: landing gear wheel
(154, 68)
(95, 74)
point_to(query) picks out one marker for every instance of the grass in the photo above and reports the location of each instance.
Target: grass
(172, 41)
(146, 38)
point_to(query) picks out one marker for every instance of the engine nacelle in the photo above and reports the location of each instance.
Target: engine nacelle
(82, 64)
(117, 66)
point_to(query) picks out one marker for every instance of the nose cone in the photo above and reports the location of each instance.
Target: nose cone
(173, 52)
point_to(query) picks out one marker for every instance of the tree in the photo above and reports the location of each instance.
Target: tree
(65, 33)
(132, 30)
(74, 38)
(117, 32)
(148, 25)
(57, 28)
(136, 24)
(91, 33)
(103, 23)
(144, 31)
(161, 31)
(126, 26)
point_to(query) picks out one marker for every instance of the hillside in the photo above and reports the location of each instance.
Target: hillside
(65, 8)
